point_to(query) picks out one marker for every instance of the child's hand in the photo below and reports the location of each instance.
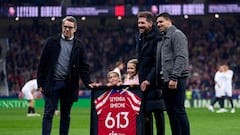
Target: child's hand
(119, 84)
(108, 84)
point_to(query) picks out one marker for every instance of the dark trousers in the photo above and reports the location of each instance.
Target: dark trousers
(51, 102)
(220, 101)
(160, 122)
(174, 100)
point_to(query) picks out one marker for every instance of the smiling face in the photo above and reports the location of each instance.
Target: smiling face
(68, 29)
(163, 23)
(144, 26)
(113, 78)
(131, 69)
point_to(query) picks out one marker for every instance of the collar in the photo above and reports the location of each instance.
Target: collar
(170, 30)
(63, 37)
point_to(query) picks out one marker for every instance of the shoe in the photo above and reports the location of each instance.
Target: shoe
(29, 115)
(36, 114)
(57, 112)
(210, 108)
(233, 110)
(222, 110)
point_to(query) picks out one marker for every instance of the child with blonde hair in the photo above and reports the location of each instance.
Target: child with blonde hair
(113, 79)
(132, 74)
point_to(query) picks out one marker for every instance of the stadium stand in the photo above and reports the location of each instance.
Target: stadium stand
(104, 2)
(211, 42)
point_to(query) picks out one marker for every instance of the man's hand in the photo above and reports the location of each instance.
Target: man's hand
(144, 85)
(92, 85)
(172, 84)
(40, 89)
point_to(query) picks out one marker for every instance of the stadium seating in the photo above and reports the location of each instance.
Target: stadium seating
(211, 42)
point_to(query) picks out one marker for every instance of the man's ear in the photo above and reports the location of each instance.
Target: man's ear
(152, 23)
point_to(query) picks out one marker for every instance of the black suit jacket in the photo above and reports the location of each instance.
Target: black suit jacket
(78, 67)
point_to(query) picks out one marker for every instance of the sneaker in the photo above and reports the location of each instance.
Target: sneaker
(222, 110)
(29, 115)
(233, 110)
(57, 112)
(210, 108)
(36, 114)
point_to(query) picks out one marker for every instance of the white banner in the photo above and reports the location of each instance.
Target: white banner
(204, 103)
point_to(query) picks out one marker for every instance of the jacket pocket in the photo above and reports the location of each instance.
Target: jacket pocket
(168, 65)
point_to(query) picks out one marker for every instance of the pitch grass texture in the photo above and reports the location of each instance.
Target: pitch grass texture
(202, 122)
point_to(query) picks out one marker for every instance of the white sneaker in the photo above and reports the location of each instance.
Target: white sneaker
(57, 112)
(210, 108)
(29, 115)
(36, 114)
(233, 110)
(222, 110)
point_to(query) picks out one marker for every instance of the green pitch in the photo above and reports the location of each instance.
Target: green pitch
(202, 122)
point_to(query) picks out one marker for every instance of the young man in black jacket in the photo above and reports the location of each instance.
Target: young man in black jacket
(172, 71)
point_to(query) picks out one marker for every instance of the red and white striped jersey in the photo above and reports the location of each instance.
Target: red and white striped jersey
(117, 111)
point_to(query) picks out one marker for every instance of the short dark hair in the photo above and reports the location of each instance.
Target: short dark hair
(165, 15)
(146, 14)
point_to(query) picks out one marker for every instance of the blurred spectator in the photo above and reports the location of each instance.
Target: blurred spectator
(118, 68)
(104, 2)
(210, 44)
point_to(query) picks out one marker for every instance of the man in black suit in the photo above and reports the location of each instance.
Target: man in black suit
(146, 45)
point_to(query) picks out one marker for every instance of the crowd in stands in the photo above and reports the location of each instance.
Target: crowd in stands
(209, 45)
(103, 2)
(29, 3)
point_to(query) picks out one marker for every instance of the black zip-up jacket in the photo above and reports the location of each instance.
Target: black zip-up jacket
(146, 54)
(78, 67)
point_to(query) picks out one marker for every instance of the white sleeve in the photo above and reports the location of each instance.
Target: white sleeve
(217, 77)
(35, 86)
(229, 74)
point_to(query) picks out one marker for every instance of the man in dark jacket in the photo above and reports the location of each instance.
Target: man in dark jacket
(172, 71)
(62, 63)
(146, 46)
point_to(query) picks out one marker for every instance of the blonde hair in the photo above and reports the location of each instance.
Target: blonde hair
(134, 61)
(112, 72)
